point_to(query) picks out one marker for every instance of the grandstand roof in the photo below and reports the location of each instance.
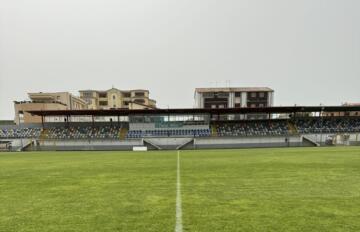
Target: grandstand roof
(267, 110)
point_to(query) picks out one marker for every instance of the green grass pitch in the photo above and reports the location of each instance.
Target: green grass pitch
(300, 189)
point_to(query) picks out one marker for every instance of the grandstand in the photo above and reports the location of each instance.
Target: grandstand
(328, 125)
(183, 129)
(168, 133)
(253, 128)
(83, 132)
(14, 133)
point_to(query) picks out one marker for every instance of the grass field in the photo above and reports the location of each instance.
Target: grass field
(222, 190)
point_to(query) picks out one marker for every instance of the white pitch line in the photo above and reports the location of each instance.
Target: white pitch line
(178, 226)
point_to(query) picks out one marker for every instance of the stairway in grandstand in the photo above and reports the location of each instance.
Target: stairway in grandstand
(148, 142)
(214, 130)
(186, 143)
(311, 139)
(44, 134)
(26, 144)
(122, 134)
(292, 128)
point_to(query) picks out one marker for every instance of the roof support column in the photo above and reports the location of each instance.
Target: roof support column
(42, 121)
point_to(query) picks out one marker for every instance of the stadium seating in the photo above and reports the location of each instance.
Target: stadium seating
(327, 125)
(20, 133)
(87, 132)
(168, 133)
(256, 128)
(222, 129)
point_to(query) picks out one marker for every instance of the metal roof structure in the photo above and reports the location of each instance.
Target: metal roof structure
(193, 111)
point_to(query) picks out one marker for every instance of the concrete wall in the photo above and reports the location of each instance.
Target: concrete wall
(16, 144)
(85, 145)
(173, 143)
(248, 142)
(168, 143)
(321, 138)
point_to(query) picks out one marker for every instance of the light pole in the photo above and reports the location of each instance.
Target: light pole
(21, 140)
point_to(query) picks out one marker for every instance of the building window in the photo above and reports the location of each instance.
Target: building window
(127, 95)
(139, 94)
(238, 94)
(222, 95)
(114, 106)
(237, 105)
(126, 103)
(103, 103)
(208, 95)
(253, 94)
(262, 95)
(114, 97)
(139, 101)
(87, 94)
(103, 95)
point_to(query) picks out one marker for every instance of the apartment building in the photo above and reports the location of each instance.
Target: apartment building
(46, 101)
(115, 98)
(234, 97)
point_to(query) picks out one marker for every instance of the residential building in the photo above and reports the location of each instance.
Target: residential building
(115, 99)
(234, 97)
(46, 101)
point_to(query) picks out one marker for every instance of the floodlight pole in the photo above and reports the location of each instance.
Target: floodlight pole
(322, 125)
(21, 139)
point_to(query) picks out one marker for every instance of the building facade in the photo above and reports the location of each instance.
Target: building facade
(89, 99)
(46, 101)
(218, 98)
(115, 98)
(221, 98)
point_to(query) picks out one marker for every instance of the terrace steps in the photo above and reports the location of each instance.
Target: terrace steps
(123, 132)
(44, 134)
(213, 130)
(292, 128)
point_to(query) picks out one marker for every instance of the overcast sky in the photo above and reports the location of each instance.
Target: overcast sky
(308, 51)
